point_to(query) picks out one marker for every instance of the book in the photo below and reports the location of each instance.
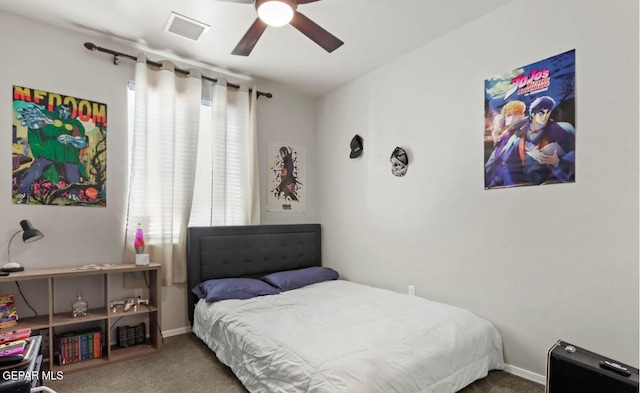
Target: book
(15, 335)
(97, 345)
(8, 312)
(76, 348)
(18, 362)
(12, 348)
(79, 345)
(64, 348)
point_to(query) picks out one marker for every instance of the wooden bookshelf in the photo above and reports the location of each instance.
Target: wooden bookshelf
(101, 316)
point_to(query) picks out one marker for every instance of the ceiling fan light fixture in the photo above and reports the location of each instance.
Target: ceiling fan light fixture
(275, 12)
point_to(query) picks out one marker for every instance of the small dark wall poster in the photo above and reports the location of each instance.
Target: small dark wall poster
(529, 128)
(286, 178)
(59, 149)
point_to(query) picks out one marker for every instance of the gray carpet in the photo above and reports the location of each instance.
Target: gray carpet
(186, 365)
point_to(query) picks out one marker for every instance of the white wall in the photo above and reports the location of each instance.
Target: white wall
(52, 59)
(565, 269)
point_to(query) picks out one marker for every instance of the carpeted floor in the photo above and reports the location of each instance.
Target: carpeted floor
(186, 365)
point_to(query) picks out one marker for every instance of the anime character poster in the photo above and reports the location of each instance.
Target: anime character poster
(286, 177)
(529, 131)
(59, 149)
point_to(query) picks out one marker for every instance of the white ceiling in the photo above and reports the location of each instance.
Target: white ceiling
(375, 33)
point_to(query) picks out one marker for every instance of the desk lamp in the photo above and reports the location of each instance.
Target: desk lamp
(30, 234)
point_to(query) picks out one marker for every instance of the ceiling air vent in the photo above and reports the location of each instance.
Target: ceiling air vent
(185, 27)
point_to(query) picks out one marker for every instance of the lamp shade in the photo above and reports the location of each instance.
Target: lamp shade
(275, 12)
(30, 234)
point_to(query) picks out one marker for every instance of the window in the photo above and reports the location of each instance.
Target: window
(220, 194)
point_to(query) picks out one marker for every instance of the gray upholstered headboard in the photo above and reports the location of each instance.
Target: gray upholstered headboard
(248, 251)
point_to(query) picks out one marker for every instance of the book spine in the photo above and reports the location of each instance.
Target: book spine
(76, 348)
(12, 351)
(97, 345)
(69, 350)
(83, 347)
(15, 335)
(63, 351)
(85, 340)
(90, 345)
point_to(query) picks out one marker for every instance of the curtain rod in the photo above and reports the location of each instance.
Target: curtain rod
(92, 47)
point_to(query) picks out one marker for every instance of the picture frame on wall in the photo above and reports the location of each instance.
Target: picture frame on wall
(529, 125)
(59, 149)
(286, 178)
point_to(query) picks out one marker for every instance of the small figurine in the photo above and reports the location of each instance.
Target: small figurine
(128, 304)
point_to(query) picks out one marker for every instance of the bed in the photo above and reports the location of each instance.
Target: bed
(329, 336)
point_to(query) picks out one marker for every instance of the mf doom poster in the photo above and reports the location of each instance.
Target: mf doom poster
(59, 149)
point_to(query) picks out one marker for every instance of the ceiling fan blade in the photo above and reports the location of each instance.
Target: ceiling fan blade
(305, 1)
(250, 38)
(316, 33)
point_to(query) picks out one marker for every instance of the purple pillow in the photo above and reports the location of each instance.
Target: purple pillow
(292, 279)
(232, 288)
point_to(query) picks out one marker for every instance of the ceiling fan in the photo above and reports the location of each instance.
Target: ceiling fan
(279, 13)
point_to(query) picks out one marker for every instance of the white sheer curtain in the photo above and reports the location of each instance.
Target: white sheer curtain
(165, 138)
(226, 190)
(193, 161)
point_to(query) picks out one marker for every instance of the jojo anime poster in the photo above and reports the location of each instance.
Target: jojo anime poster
(59, 149)
(529, 127)
(286, 176)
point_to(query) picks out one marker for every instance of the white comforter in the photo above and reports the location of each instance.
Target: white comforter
(339, 336)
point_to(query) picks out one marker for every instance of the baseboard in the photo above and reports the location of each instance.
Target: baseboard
(541, 379)
(175, 332)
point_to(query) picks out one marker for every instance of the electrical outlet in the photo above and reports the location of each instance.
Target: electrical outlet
(138, 293)
(412, 290)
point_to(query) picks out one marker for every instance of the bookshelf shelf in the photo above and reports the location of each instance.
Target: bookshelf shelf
(63, 322)
(62, 319)
(83, 365)
(33, 323)
(141, 310)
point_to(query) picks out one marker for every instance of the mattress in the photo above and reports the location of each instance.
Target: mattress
(340, 336)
